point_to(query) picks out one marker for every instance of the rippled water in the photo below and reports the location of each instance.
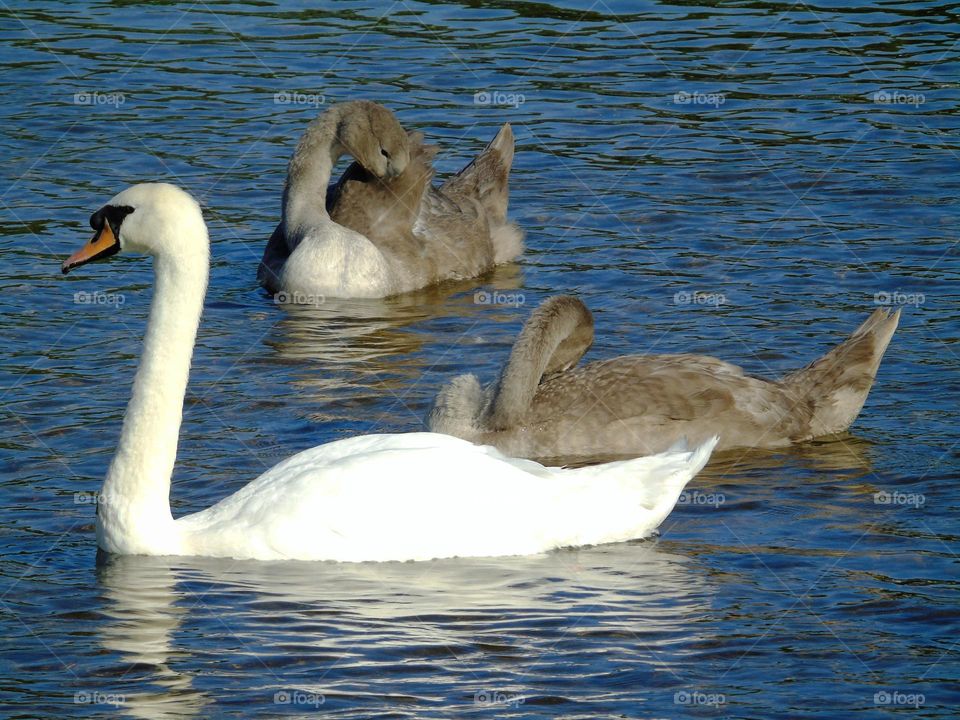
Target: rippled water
(745, 180)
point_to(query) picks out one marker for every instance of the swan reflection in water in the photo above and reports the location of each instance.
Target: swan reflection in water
(142, 611)
(345, 353)
(843, 456)
(350, 624)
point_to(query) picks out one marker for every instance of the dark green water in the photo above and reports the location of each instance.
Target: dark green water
(798, 161)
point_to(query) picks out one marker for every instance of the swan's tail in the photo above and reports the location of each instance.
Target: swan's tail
(836, 386)
(629, 499)
(486, 181)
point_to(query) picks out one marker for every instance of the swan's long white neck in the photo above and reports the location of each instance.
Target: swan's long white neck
(304, 196)
(134, 509)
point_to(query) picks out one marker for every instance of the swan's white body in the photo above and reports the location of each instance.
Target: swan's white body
(379, 497)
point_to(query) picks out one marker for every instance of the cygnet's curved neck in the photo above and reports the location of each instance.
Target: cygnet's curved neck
(553, 340)
(135, 501)
(308, 175)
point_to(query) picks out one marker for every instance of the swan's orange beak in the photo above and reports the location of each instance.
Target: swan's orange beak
(104, 244)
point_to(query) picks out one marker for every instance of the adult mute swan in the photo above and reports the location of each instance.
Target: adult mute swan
(378, 497)
(384, 228)
(543, 406)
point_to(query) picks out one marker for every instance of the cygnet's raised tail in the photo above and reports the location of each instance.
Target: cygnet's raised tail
(835, 386)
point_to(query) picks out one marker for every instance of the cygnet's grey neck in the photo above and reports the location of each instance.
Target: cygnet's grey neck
(553, 340)
(308, 175)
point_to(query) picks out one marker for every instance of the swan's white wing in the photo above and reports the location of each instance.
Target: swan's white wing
(424, 495)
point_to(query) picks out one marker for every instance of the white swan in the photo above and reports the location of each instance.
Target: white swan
(378, 497)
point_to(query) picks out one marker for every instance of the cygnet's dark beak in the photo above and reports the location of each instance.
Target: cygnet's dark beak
(393, 170)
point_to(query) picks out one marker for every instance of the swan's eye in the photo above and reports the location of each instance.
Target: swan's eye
(385, 153)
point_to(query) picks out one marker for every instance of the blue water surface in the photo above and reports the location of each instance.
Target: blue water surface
(744, 179)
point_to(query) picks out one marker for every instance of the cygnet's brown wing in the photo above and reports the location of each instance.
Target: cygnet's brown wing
(432, 234)
(465, 220)
(458, 234)
(648, 402)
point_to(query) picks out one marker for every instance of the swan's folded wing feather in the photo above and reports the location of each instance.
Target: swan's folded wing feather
(352, 500)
